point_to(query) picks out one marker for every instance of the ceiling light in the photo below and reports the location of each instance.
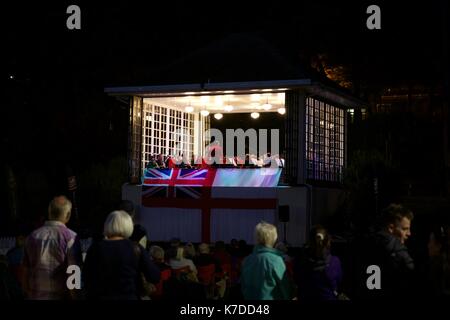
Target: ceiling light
(218, 116)
(189, 109)
(254, 115)
(228, 108)
(267, 106)
(282, 110)
(204, 113)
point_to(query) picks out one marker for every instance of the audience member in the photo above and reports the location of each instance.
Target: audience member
(49, 250)
(114, 267)
(264, 275)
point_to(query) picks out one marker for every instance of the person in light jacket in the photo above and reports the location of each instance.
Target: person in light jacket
(263, 273)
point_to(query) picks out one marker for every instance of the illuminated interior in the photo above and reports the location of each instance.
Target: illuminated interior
(223, 103)
(176, 125)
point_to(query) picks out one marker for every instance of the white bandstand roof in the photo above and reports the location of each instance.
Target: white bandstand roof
(243, 96)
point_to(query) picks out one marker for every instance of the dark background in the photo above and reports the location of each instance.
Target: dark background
(56, 120)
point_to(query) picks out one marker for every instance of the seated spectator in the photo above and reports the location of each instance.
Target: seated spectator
(178, 261)
(282, 161)
(267, 160)
(214, 151)
(189, 251)
(247, 160)
(253, 160)
(170, 162)
(220, 254)
(160, 161)
(184, 162)
(152, 163)
(176, 290)
(204, 258)
(239, 161)
(278, 160)
(233, 161)
(157, 255)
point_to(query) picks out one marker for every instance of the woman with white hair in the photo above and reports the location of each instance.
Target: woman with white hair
(263, 273)
(178, 261)
(114, 266)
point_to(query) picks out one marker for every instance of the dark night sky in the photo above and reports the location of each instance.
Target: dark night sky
(55, 107)
(116, 40)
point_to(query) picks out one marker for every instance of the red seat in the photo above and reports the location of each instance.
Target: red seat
(178, 273)
(207, 277)
(206, 274)
(165, 275)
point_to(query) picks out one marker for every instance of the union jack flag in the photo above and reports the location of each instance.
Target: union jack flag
(176, 182)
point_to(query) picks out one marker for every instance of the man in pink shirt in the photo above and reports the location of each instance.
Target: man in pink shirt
(49, 250)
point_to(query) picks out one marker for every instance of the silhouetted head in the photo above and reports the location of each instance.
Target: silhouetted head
(265, 234)
(127, 206)
(118, 224)
(319, 242)
(397, 221)
(60, 209)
